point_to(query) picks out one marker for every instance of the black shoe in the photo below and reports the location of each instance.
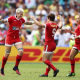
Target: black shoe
(70, 74)
(2, 72)
(55, 73)
(43, 75)
(17, 70)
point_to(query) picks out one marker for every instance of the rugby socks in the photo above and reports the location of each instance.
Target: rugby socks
(3, 62)
(48, 63)
(47, 71)
(72, 65)
(18, 59)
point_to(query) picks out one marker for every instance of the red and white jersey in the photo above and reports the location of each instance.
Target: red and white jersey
(14, 25)
(77, 33)
(50, 30)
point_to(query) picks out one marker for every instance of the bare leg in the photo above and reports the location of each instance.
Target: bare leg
(5, 57)
(46, 57)
(72, 60)
(73, 53)
(48, 68)
(18, 57)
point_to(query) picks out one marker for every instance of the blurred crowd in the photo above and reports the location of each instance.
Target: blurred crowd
(32, 35)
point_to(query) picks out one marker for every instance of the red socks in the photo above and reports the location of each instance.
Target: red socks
(18, 59)
(72, 65)
(48, 63)
(47, 71)
(3, 62)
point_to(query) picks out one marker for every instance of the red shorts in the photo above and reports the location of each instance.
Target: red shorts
(77, 46)
(49, 47)
(10, 40)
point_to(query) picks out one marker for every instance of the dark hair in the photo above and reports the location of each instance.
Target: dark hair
(51, 16)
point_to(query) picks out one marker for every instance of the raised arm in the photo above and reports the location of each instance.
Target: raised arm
(36, 22)
(60, 23)
(3, 20)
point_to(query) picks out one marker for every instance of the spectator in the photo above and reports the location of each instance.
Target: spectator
(37, 38)
(69, 9)
(61, 38)
(12, 3)
(3, 34)
(30, 3)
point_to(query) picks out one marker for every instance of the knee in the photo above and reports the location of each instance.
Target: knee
(44, 60)
(21, 52)
(6, 53)
(71, 58)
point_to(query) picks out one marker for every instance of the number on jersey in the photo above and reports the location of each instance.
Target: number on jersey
(53, 32)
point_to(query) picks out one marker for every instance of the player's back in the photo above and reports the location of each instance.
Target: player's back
(50, 31)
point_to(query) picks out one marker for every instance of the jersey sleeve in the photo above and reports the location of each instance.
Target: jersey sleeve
(46, 25)
(9, 19)
(24, 20)
(79, 28)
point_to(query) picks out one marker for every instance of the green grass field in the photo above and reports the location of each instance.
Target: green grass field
(31, 71)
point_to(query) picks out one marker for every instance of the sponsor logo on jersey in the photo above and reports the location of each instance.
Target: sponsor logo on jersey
(15, 28)
(14, 20)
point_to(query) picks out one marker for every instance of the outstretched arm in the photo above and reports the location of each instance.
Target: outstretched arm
(29, 22)
(3, 20)
(37, 23)
(70, 31)
(75, 37)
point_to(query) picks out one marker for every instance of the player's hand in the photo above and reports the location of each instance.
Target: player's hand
(0, 17)
(32, 17)
(60, 17)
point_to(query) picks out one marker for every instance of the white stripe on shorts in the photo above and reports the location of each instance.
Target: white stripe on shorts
(9, 45)
(76, 48)
(18, 42)
(48, 52)
(12, 44)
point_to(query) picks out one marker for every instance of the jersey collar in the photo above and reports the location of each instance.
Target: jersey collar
(17, 18)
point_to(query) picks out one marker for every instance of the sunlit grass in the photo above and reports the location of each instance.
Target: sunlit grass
(31, 71)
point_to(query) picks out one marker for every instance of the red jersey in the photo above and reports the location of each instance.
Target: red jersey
(50, 31)
(14, 26)
(77, 33)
